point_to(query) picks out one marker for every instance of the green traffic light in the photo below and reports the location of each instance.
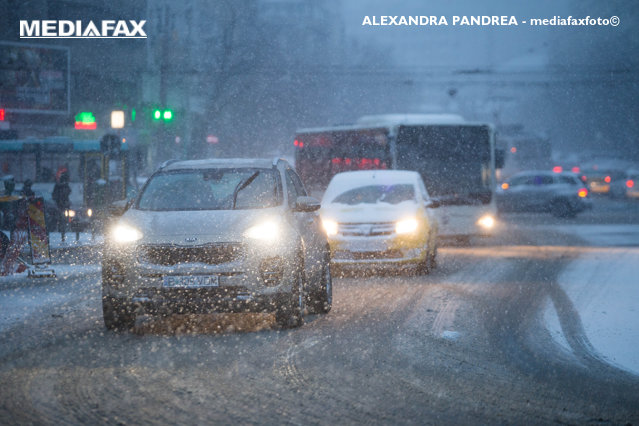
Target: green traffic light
(168, 115)
(157, 114)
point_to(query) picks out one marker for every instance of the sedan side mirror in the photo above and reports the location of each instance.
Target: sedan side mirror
(432, 203)
(307, 204)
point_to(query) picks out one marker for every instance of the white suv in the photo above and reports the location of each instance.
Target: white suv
(218, 235)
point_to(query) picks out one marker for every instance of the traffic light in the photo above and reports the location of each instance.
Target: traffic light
(117, 119)
(163, 114)
(85, 121)
(1, 114)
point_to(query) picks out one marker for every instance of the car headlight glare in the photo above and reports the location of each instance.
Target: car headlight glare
(330, 226)
(69, 213)
(486, 221)
(265, 231)
(406, 226)
(89, 212)
(125, 234)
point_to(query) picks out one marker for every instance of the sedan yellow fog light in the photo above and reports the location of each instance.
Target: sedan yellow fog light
(486, 221)
(406, 226)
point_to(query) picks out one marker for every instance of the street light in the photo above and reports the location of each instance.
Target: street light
(117, 119)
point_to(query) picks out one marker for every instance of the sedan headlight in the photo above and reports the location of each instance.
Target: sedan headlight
(268, 230)
(330, 226)
(406, 226)
(125, 234)
(486, 221)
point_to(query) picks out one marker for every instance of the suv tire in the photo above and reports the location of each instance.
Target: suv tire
(118, 316)
(290, 308)
(562, 208)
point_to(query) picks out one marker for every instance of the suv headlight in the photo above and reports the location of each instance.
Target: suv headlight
(269, 230)
(330, 227)
(124, 234)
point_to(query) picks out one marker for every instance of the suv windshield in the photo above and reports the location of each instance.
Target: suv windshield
(392, 194)
(211, 189)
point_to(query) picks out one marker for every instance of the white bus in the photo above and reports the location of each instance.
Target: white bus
(455, 158)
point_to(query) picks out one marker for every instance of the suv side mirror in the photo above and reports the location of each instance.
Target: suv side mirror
(118, 208)
(306, 204)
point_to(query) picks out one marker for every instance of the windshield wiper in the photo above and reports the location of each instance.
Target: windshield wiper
(243, 184)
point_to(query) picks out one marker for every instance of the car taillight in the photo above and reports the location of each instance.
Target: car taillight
(630, 183)
(584, 178)
(576, 169)
(583, 193)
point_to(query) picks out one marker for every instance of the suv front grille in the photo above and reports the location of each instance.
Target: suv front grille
(173, 255)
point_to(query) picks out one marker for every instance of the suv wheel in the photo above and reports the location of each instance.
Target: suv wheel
(117, 314)
(289, 311)
(562, 208)
(321, 300)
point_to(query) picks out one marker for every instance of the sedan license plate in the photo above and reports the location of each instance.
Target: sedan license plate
(191, 281)
(365, 246)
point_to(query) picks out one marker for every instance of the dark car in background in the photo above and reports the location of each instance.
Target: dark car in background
(561, 194)
(605, 181)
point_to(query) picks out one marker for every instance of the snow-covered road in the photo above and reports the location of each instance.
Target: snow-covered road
(603, 286)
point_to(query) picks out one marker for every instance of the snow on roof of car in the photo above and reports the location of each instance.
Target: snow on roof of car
(345, 181)
(220, 162)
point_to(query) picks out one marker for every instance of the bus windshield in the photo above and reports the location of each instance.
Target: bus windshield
(454, 160)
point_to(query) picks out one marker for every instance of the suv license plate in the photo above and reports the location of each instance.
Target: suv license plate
(191, 281)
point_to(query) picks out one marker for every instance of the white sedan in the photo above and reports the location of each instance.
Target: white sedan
(380, 217)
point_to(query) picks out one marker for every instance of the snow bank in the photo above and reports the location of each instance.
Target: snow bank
(604, 289)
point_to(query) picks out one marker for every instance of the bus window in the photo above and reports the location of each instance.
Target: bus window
(321, 155)
(454, 160)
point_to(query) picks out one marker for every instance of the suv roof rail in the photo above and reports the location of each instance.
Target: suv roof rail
(168, 163)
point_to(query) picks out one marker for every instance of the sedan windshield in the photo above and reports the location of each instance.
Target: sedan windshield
(214, 189)
(392, 194)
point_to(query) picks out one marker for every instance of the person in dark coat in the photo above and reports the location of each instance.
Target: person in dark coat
(9, 185)
(26, 189)
(60, 195)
